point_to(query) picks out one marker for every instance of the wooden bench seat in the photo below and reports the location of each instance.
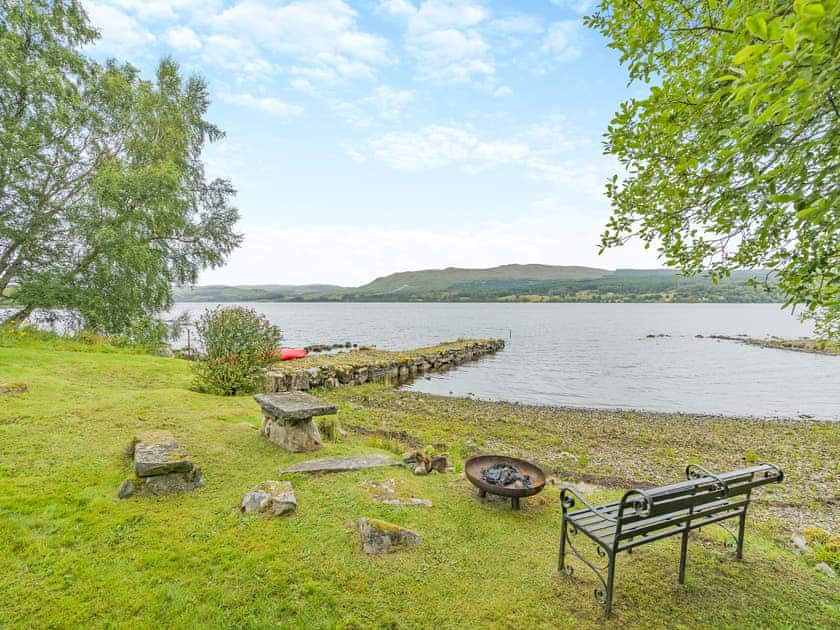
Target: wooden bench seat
(645, 515)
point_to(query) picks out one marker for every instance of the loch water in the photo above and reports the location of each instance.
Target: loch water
(592, 355)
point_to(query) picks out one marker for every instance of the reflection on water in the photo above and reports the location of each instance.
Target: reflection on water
(593, 355)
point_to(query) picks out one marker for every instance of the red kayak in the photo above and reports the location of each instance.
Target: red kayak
(287, 354)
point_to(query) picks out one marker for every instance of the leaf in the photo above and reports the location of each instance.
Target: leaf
(747, 53)
(757, 26)
(789, 38)
(813, 10)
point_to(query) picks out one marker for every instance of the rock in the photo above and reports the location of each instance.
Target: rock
(420, 469)
(299, 437)
(162, 484)
(822, 566)
(151, 459)
(800, 543)
(379, 537)
(439, 463)
(13, 389)
(387, 492)
(340, 464)
(272, 497)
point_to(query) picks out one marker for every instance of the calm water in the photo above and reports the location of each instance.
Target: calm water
(593, 355)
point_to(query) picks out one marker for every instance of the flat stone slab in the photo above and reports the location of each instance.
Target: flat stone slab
(160, 459)
(340, 464)
(294, 406)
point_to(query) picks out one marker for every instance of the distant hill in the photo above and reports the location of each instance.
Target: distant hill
(509, 283)
(414, 282)
(251, 293)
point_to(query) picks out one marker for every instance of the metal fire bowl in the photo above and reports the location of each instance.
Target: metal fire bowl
(474, 466)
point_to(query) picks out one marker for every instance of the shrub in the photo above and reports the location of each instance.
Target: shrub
(237, 344)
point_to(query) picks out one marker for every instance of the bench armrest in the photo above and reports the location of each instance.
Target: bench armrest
(569, 502)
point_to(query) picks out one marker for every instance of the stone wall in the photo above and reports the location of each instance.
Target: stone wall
(404, 367)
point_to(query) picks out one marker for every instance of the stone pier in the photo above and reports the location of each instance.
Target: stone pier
(371, 366)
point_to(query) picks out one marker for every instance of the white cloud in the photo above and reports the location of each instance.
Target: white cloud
(501, 91)
(443, 38)
(389, 102)
(182, 38)
(267, 104)
(237, 55)
(578, 6)
(334, 255)
(121, 33)
(436, 146)
(563, 40)
(321, 35)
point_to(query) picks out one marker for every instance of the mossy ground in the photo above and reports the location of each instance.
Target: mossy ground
(73, 555)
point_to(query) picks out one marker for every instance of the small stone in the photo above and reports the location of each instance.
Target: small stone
(822, 566)
(439, 463)
(420, 469)
(800, 543)
(379, 537)
(273, 497)
(12, 389)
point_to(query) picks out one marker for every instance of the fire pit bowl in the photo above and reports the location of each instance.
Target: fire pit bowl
(474, 466)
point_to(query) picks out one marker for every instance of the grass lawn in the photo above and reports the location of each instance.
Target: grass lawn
(72, 555)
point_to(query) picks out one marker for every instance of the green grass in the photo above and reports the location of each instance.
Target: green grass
(72, 555)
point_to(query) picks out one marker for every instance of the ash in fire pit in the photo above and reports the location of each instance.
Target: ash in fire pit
(507, 476)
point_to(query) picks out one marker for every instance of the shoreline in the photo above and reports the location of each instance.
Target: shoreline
(805, 419)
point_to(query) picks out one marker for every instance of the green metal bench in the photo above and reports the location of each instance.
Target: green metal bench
(643, 516)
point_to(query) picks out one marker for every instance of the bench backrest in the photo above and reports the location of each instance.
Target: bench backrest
(699, 491)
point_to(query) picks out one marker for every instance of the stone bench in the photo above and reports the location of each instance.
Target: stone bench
(287, 419)
(161, 466)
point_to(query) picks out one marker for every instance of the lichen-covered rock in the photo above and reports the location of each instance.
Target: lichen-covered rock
(379, 537)
(162, 484)
(271, 497)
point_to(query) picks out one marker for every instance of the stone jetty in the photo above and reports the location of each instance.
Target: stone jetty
(375, 366)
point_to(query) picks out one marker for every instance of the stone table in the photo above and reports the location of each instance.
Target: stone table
(287, 419)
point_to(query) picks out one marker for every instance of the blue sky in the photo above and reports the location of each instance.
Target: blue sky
(373, 136)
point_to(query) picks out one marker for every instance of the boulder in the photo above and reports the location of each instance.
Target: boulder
(271, 497)
(380, 537)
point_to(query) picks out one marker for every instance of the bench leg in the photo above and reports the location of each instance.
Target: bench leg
(561, 563)
(742, 521)
(683, 553)
(610, 580)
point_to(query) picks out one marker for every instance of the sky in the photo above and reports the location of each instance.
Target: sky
(366, 137)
